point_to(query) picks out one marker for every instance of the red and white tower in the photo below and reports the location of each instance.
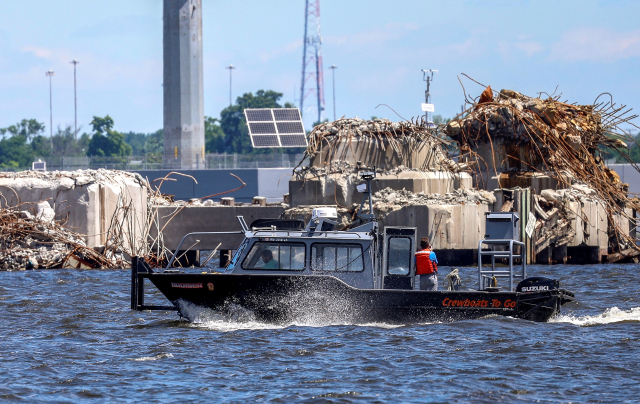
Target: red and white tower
(312, 77)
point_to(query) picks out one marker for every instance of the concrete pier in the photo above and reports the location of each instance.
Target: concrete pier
(183, 85)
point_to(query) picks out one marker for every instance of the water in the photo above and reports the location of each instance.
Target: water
(69, 336)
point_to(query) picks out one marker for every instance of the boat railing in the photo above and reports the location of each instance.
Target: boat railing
(200, 233)
(302, 233)
(485, 276)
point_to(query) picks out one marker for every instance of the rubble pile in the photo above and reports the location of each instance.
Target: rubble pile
(556, 212)
(69, 179)
(545, 135)
(398, 136)
(34, 240)
(77, 219)
(388, 198)
(559, 137)
(346, 169)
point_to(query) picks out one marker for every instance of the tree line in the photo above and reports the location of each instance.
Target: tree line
(22, 143)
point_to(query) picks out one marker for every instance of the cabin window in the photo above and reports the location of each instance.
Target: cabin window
(399, 256)
(337, 257)
(275, 256)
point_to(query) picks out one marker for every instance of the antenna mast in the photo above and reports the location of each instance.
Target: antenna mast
(312, 57)
(427, 75)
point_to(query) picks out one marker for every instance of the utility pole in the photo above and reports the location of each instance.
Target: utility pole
(75, 99)
(49, 74)
(427, 75)
(230, 67)
(333, 78)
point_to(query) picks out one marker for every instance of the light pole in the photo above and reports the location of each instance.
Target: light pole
(230, 67)
(49, 74)
(75, 99)
(333, 78)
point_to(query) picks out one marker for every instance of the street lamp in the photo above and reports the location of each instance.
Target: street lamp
(230, 67)
(333, 77)
(49, 74)
(75, 98)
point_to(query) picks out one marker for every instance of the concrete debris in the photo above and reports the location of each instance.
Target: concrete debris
(511, 132)
(32, 241)
(347, 169)
(378, 143)
(157, 200)
(54, 219)
(65, 180)
(45, 212)
(388, 198)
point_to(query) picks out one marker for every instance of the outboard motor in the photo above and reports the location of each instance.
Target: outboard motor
(537, 284)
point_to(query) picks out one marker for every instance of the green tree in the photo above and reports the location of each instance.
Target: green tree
(234, 125)
(105, 141)
(65, 144)
(213, 135)
(19, 143)
(27, 128)
(154, 142)
(137, 141)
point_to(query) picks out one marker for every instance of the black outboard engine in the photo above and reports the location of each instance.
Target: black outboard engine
(537, 284)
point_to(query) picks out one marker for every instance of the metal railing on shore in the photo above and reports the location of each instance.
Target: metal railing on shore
(155, 162)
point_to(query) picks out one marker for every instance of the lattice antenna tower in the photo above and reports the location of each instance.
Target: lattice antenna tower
(312, 77)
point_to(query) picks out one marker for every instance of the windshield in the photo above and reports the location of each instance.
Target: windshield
(275, 256)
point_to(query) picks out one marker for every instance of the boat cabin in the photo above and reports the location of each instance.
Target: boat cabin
(359, 257)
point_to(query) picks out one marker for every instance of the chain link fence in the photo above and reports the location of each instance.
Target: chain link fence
(154, 162)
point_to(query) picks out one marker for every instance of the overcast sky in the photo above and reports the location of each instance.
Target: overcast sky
(583, 47)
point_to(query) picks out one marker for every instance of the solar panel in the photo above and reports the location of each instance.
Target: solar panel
(258, 115)
(293, 140)
(262, 128)
(39, 166)
(265, 141)
(287, 114)
(289, 127)
(276, 127)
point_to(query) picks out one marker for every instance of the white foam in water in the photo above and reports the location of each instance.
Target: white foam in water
(239, 318)
(611, 315)
(153, 358)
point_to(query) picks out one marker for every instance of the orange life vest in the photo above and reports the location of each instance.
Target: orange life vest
(424, 265)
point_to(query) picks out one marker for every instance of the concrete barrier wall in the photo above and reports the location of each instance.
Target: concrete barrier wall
(341, 189)
(260, 182)
(457, 227)
(208, 218)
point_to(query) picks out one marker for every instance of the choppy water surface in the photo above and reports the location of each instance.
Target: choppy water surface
(70, 336)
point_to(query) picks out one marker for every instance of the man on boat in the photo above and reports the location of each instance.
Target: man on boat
(427, 266)
(269, 262)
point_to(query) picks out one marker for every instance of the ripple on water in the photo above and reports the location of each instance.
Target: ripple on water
(69, 335)
(152, 358)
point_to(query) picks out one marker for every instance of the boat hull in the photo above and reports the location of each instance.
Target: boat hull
(283, 299)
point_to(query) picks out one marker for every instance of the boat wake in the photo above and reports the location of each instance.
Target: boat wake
(233, 319)
(611, 315)
(236, 318)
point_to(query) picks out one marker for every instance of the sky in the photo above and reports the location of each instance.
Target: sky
(582, 48)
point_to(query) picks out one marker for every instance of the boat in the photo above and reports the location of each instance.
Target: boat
(286, 271)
